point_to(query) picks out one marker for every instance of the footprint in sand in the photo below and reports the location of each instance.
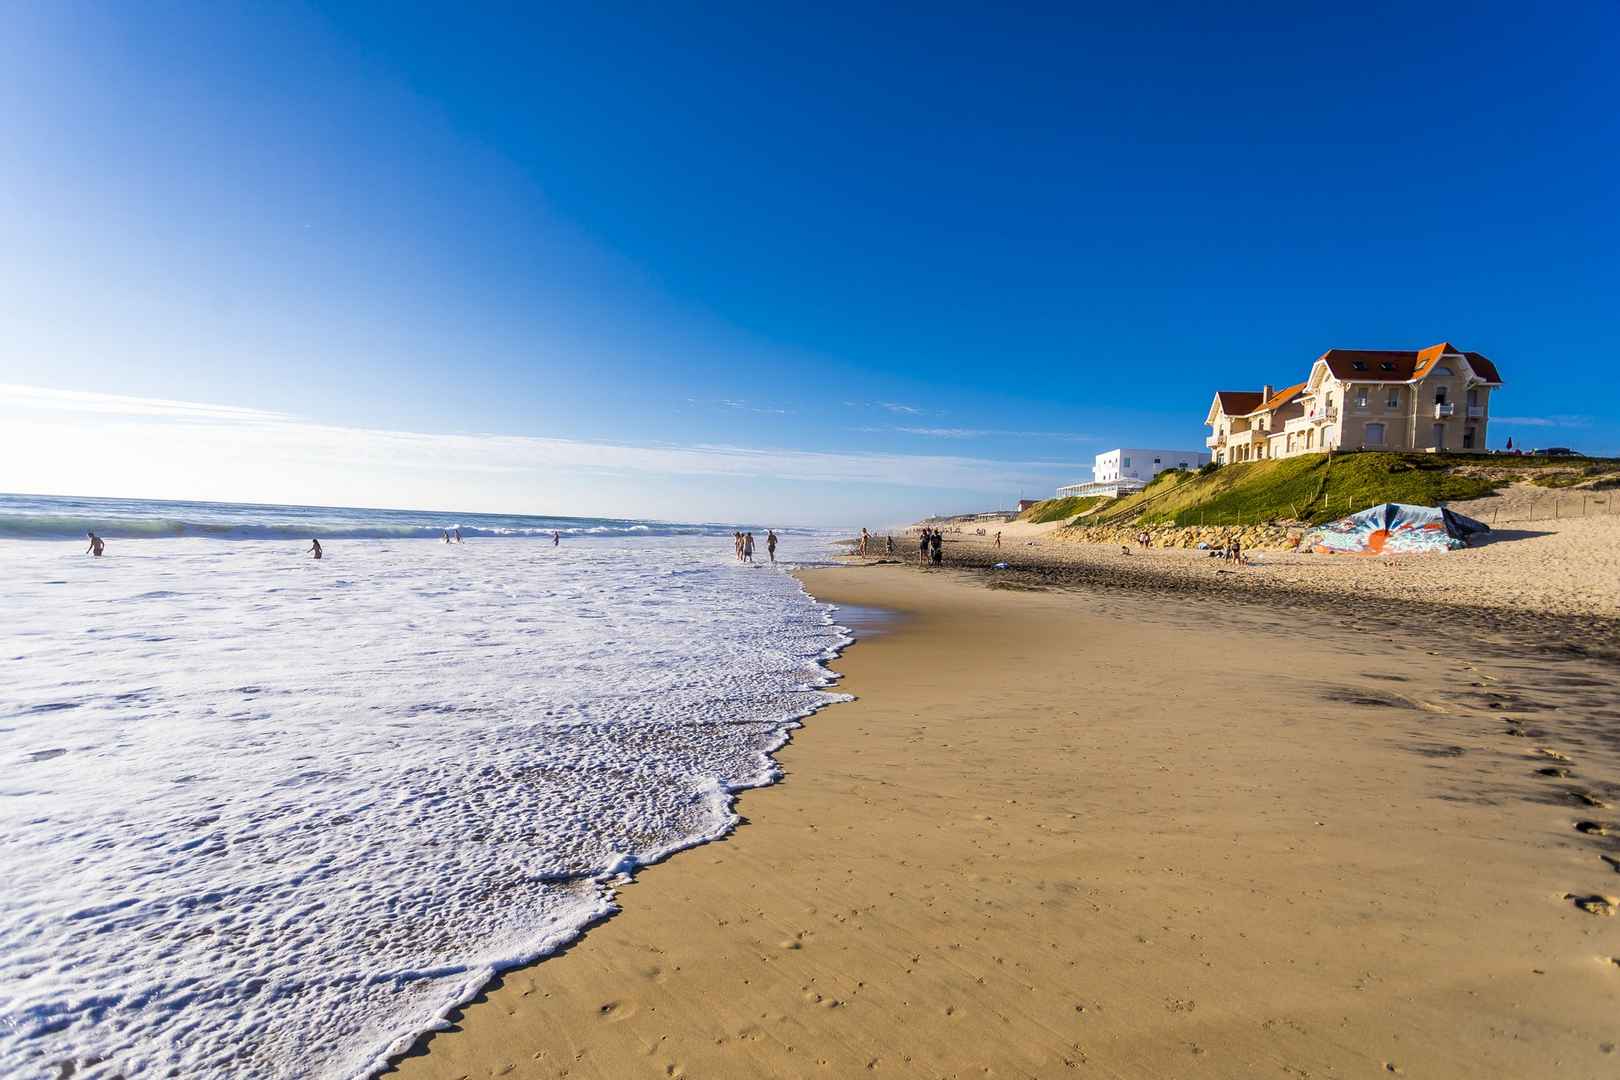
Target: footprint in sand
(1554, 770)
(1595, 904)
(1614, 863)
(1555, 755)
(615, 1011)
(1594, 828)
(1586, 799)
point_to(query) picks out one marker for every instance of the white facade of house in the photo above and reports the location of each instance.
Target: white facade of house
(1122, 471)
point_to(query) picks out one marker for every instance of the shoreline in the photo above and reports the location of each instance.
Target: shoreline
(984, 864)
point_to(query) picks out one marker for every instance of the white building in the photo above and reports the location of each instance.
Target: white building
(1122, 471)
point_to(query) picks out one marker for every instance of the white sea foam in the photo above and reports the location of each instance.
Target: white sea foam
(267, 816)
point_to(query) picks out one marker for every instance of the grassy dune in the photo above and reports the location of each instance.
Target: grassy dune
(1058, 509)
(1317, 488)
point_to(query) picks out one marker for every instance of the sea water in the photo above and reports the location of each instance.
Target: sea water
(262, 815)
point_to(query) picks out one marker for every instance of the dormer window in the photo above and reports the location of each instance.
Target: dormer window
(1441, 370)
(1359, 365)
(1387, 365)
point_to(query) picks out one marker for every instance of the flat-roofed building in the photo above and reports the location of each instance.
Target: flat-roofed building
(1122, 471)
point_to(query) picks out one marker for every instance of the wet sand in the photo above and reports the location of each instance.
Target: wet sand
(1122, 834)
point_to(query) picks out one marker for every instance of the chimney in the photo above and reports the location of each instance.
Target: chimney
(1266, 392)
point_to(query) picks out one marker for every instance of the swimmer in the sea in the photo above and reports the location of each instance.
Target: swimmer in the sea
(314, 548)
(96, 546)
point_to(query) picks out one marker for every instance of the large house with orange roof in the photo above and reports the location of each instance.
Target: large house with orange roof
(1434, 399)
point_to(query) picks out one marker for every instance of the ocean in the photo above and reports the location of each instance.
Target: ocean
(262, 815)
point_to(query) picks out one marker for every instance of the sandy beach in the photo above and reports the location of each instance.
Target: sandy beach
(1124, 833)
(1535, 573)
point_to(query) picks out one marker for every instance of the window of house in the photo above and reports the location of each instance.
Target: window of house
(1468, 438)
(1439, 395)
(1394, 401)
(1127, 463)
(1387, 365)
(1375, 434)
(1155, 461)
(1441, 370)
(1473, 397)
(1361, 398)
(1358, 365)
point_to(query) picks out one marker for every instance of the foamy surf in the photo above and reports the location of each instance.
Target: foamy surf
(267, 816)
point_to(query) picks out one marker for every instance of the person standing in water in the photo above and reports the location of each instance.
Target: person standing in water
(748, 547)
(770, 544)
(458, 534)
(314, 548)
(556, 538)
(447, 536)
(96, 546)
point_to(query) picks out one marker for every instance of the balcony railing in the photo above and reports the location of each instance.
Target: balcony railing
(1475, 412)
(1215, 440)
(1444, 408)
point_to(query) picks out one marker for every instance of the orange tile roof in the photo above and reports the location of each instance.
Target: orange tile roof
(1399, 365)
(1281, 398)
(1239, 402)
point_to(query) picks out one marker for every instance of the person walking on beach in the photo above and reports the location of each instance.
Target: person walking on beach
(865, 538)
(748, 547)
(314, 548)
(770, 544)
(922, 548)
(97, 546)
(736, 545)
(936, 544)
(998, 538)
(888, 544)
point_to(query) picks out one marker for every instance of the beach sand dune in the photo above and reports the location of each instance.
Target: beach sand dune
(1069, 834)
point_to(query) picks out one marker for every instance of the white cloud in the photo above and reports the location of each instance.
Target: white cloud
(84, 401)
(70, 442)
(1545, 421)
(980, 433)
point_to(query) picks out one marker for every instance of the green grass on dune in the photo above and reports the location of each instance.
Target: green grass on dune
(1058, 509)
(1306, 488)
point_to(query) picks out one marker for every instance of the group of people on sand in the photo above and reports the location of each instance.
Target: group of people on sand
(930, 547)
(868, 540)
(745, 545)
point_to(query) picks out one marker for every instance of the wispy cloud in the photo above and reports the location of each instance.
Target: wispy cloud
(130, 439)
(1545, 421)
(889, 406)
(84, 401)
(741, 406)
(983, 433)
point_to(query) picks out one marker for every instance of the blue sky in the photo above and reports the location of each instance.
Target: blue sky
(875, 264)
